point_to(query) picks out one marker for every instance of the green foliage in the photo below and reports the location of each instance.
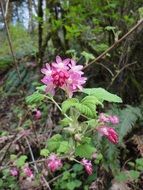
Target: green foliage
(22, 43)
(44, 152)
(58, 144)
(139, 164)
(128, 117)
(36, 97)
(68, 181)
(64, 147)
(68, 103)
(54, 142)
(102, 95)
(88, 56)
(21, 161)
(87, 106)
(85, 150)
(8, 181)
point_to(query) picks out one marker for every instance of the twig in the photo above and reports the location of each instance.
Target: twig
(9, 40)
(115, 44)
(118, 73)
(13, 140)
(6, 8)
(57, 177)
(107, 69)
(35, 165)
(32, 156)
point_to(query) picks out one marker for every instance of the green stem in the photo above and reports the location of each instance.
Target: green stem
(51, 98)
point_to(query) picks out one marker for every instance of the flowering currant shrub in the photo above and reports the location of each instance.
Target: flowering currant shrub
(81, 125)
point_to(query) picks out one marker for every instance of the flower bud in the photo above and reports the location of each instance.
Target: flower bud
(54, 163)
(87, 165)
(14, 172)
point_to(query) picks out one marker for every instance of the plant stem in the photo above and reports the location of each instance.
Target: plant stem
(52, 99)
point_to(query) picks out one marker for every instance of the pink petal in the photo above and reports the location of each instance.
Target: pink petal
(58, 59)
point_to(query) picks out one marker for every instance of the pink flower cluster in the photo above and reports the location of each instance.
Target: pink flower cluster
(108, 119)
(14, 172)
(107, 131)
(28, 172)
(87, 165)
(64, 74)
(54, 163)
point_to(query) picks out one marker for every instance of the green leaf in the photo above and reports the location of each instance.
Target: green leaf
(121, 177)
(68, 103)
(86, 109)
(65, 122)
(64, 147)
(1, 183)
(77, 167)
(134, 174)
(21, 161)
(88, 56)
(13, 157)
(44, 152)
(85, 150)
(102, 94)
(91, 100)
(54, 142)
(41, 88)
(73, 184)
(35, 98)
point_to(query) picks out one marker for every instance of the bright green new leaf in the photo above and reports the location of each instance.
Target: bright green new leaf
(85, 150)
(102, 94)
(54, 142)
(21, 161)
(64, 147)
(44, 152)
(35, 98)
(68, 103)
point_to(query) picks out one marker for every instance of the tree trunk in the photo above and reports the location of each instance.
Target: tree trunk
(40, 31)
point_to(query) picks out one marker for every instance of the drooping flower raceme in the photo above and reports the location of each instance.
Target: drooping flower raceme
(64, 74)
(104, 118)
(109, 132)
(14, 172)
(113, 119)
(54, 162)
(28, 172)
(87, 165)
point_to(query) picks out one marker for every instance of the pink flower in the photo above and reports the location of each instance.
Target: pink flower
(64, 74)
(114, 119)
(61, 64)
(54, 163)
(108, 119)
(109, 132)
(104, 118)
(14, 172)
(87, 165)
(28, 172)
(37, 114)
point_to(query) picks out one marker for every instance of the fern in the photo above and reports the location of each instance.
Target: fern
(128, 117)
